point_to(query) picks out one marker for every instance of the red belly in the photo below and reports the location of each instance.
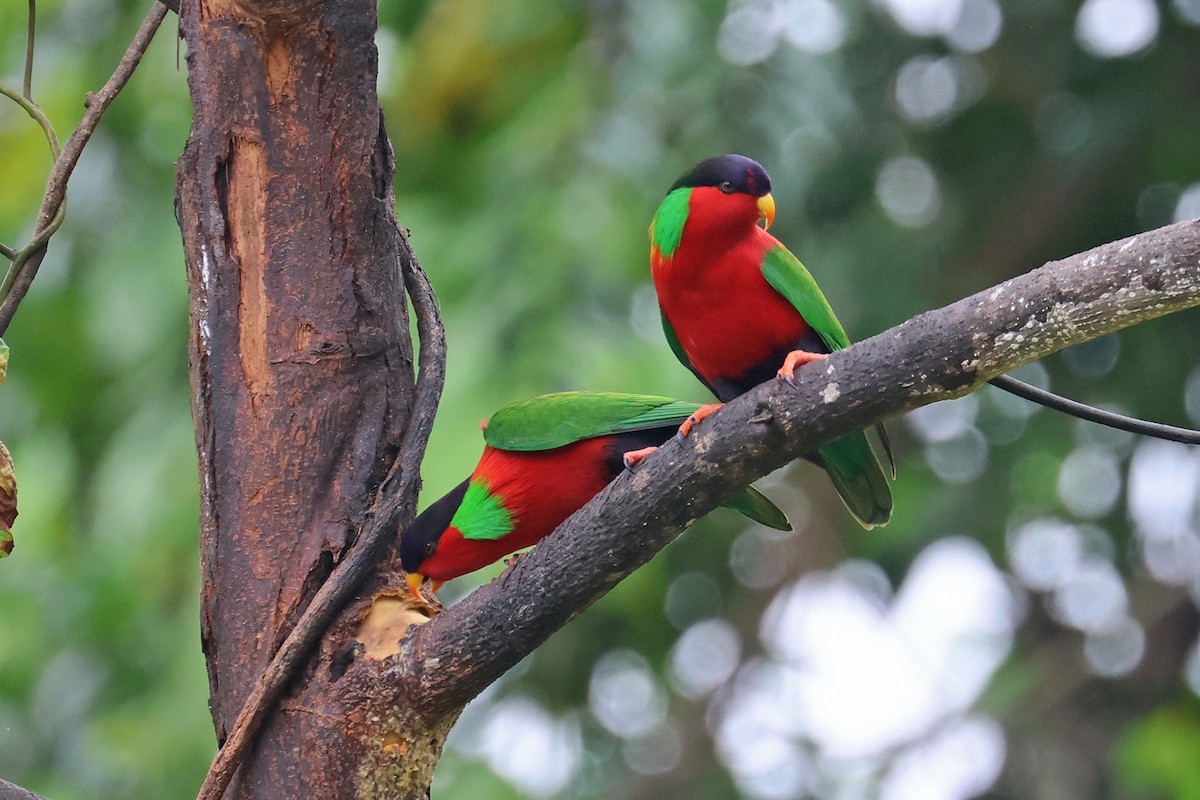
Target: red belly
(729, 320)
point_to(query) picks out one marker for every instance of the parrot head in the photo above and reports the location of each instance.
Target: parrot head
(734, 183)
(419, 542)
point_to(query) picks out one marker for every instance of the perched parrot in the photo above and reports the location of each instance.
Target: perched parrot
(738, 308)
(543, 459)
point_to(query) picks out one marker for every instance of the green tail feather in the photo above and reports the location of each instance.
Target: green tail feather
(859, 478)
(754, 504)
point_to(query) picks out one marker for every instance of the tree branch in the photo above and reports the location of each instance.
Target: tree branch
(1100, 416)
(10, 791)
(938, 355)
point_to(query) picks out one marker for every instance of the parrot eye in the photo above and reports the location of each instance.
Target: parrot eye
(429, 549)
(726, 187)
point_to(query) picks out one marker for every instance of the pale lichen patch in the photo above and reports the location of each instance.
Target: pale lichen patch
(702, 442)
(830, 393)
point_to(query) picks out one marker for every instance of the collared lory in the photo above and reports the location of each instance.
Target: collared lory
(738, 308)
(543, 459)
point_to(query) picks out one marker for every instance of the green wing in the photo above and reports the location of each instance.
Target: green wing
(556, 420)
(850, 462)
(677, 349)
(788, 276)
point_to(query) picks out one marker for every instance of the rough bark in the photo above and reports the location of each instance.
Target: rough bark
(301, 369)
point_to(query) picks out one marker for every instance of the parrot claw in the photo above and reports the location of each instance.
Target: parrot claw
(509, 564)
(635, 457)
(796, 358)
(700, 414)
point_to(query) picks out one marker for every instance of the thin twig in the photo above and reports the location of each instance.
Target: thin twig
(30, 31)
(34, 249)
(382, 520)
(1093, 414)
(56, 187)
(39, 116)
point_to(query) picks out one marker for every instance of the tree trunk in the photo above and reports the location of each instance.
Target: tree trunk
(301, 372)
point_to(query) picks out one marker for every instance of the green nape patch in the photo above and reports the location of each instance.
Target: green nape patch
(482, 515)
(669, 220)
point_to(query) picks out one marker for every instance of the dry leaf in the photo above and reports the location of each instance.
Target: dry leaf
(8, 500)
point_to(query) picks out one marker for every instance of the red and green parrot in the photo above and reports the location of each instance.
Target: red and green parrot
(543, 459)
(738, 308)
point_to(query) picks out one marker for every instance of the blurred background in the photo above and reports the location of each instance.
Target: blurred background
(1025, 627)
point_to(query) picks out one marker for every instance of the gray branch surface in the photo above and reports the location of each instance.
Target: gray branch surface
(938, 355)
(10, 791)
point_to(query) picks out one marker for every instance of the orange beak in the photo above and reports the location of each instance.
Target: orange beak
(414, 585)
(766, 210)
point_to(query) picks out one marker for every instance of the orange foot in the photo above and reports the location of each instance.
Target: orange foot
(796, 358)
(702, 413)
(634, 457)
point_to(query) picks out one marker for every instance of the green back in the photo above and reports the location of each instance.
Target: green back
(556, 420)
(667, 228)
(788, 276)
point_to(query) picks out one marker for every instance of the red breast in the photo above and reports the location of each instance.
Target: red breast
(729, 320)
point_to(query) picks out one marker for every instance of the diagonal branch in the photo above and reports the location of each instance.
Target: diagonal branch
(938, 355)
(10, 791)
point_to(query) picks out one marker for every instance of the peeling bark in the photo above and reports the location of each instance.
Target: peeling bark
(302, 375)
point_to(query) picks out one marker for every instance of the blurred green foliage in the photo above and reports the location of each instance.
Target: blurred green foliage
(920, 151)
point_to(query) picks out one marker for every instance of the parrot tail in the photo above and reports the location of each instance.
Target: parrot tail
(859, 479)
